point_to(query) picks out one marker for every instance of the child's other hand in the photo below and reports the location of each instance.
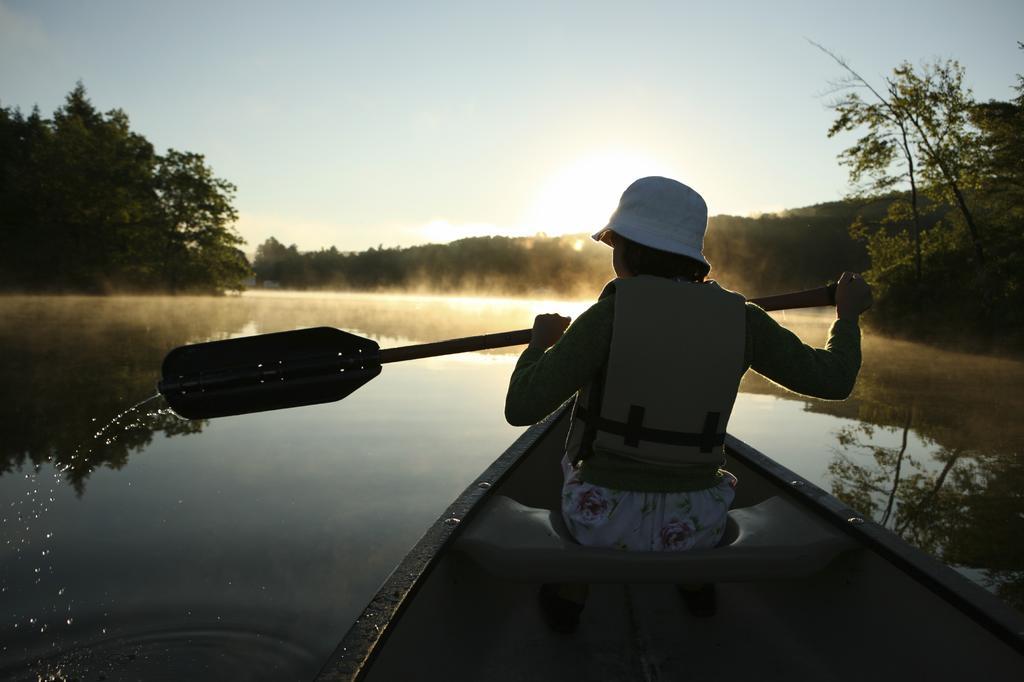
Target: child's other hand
(853, 296)
(547, 329)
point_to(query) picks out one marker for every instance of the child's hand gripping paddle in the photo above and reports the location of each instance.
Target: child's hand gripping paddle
(322, 364)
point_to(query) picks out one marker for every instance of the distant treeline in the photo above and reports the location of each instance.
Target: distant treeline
(87, 205)
(798, 249)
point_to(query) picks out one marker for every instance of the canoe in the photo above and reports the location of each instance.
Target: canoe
(807, 589)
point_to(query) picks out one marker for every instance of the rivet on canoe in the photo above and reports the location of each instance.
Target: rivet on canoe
(796, 483)
(451, 521)
(484, 485)
(855, 520)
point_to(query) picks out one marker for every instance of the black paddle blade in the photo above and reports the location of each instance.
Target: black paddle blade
(267, 372)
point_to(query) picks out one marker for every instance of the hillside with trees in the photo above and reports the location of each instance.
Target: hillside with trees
(87, 205)
(769, 254)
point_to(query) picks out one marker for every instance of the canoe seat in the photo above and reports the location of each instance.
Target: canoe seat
(768, 541)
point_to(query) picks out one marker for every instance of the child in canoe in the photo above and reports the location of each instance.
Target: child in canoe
(655, 365)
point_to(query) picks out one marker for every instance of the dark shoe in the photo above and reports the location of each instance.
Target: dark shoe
(701, 601)
(560, 614)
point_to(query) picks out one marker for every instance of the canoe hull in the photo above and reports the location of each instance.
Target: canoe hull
(883, 606)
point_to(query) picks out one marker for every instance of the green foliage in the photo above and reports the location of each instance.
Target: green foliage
(197, 246)
(1001, 149)
(87, 205)
(872, 157)
(949, 263)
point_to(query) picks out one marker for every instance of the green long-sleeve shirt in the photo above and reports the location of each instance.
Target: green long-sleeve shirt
(543, 380)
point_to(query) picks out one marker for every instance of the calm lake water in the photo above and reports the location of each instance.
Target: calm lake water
(243, 547)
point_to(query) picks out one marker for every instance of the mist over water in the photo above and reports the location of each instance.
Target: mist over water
(269, 532)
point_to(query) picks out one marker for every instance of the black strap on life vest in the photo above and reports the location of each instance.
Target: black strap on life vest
(633, 431)
(594, 402)
(593, 406)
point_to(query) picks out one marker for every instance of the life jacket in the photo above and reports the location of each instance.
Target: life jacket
(673, 372)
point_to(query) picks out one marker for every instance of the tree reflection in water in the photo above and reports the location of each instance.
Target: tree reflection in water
(964, 506)
(73, 363)
(71, 366)
(933, 452)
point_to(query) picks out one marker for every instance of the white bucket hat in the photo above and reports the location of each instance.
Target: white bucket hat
(662, 214)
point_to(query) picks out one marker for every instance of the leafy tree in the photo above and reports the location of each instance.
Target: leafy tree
(962, 275)
(97, 195)
(197, 245)
(1001, 176)
(938, 106)
(1001, 139)
(924, 118)
(86, 204)
(888, 139)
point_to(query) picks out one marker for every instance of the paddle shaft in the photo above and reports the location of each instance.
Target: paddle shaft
(463, 345)
(811, 298)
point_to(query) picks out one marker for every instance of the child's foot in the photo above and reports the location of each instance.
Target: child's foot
(560, 614)
(701, 600)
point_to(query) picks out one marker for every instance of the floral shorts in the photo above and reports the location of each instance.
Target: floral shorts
(640, 521)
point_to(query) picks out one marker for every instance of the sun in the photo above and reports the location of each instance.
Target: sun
(582, 195)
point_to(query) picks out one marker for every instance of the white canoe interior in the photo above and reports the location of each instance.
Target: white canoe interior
(800, 596)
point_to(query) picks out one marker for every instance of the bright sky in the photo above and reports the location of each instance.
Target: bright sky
(398, 123)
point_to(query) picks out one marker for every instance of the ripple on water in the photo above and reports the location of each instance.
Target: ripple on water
(179, 654)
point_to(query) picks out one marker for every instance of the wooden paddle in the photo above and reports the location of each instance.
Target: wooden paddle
(323, 364)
